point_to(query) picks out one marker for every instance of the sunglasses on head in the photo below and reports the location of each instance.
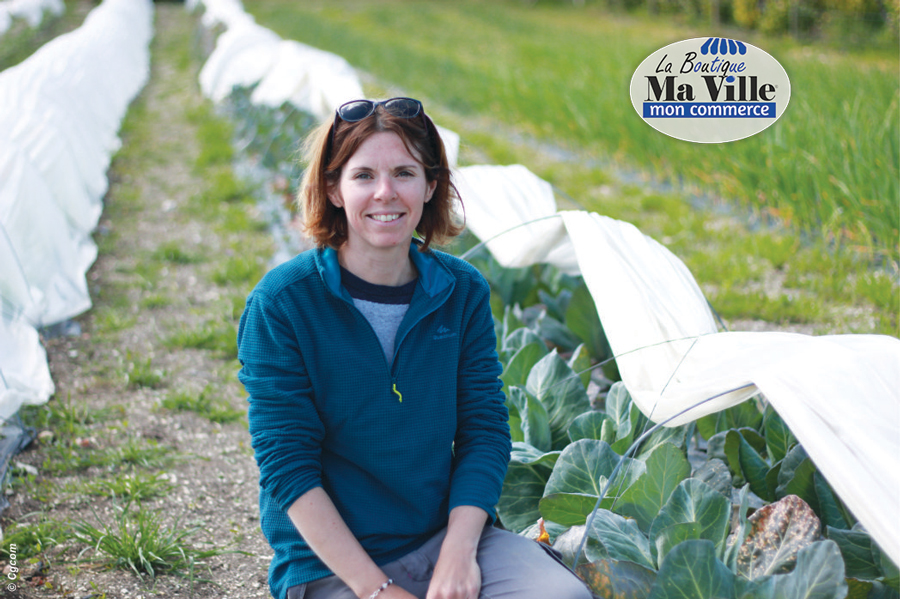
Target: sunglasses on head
(358, 110)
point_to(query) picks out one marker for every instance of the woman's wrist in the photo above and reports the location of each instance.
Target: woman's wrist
(384, 586)
(465, 527)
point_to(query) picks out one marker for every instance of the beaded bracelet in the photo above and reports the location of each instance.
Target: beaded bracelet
(381, 588)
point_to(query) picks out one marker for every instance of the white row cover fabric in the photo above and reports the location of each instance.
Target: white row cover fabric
(242, 57)
(24, 375)
(60, 112)
(313, 80)
(284, 71)
(246, 54)
(30, 10)
(840, 395)
(532, 234)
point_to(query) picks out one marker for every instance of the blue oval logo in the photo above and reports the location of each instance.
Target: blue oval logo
(710, 90)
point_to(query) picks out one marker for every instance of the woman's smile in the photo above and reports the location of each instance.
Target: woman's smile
(386, 218)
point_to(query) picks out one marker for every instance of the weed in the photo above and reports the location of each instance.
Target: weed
(225, 187)
(239, 270)
(148, 272)
(23, 481)
(236, 218)
(33, 539)
(172, 251)
(141, 543)
(65, 417)
(130, 486)
(214, 135)
(206, 404)
(156, 300)
(109, 321)
(215, 335)
(142, 374)
(796, 308)
(97, 594)
(135, 453)
(65, 459)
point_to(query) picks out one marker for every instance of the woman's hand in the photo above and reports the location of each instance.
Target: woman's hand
(456, 574)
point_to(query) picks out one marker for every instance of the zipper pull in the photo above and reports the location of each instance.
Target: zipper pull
(399, 395)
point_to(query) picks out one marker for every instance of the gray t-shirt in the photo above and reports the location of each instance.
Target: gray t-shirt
(383, 306)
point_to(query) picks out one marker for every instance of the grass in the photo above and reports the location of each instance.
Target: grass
(174, 252)
(67, 418)
(141, 372)
(207, 403)
(239, 270)
(127, 486)
(68, 458)
(825, 175)
(140, 542)
(216, 335)
(32, 539)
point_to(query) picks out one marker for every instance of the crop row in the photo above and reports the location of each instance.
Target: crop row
(727, 506)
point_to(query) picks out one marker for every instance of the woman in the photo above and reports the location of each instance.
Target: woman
(376, 411)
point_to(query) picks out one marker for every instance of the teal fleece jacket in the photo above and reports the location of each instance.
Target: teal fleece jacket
(396, 448)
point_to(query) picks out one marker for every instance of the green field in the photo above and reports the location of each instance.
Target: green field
(509, 77)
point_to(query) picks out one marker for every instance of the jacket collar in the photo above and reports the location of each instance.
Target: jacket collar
(434, 277)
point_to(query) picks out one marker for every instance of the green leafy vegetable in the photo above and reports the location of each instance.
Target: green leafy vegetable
(533, 419)
(819, 574)
(666, 468)
(694, 501)
(523, 487)
(621, 538)
(554, 383)
(691, 571)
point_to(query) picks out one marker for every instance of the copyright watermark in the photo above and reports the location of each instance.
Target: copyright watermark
(12, 570)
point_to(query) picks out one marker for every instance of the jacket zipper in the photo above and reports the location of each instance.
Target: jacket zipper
(394, 391)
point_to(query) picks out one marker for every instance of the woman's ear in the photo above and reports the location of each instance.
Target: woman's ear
(334, 196)
(429, 191)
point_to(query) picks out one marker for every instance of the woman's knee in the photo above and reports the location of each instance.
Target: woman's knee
(513, 566)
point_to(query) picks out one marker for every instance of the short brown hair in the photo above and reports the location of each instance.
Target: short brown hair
(327, 224)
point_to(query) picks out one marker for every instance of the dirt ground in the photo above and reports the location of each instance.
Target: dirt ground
(214, 479)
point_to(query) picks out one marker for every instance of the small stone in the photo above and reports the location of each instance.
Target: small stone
(29, 469)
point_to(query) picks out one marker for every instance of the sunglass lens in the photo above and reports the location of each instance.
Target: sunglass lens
(405, 108)
(356, 111)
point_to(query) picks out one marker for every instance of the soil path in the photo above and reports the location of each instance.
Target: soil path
(142, 298)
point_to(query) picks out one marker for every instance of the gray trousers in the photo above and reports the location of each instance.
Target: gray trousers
(511, 567)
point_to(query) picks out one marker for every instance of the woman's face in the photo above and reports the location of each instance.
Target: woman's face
(382, 189)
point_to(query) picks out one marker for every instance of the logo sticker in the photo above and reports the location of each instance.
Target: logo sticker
(710, 90)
